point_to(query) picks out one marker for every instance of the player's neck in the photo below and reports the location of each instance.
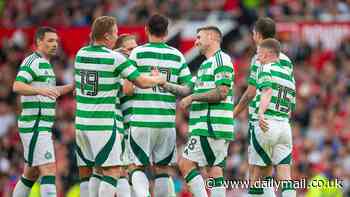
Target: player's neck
(99, 42)
(153, 39)
(211, 51)
(41, 54)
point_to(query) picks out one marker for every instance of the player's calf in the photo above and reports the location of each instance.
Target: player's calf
(84, 175)
(48, 180)
(163, 183)
(139, 181)
(193, 178)
(284, 173)
(26, 182)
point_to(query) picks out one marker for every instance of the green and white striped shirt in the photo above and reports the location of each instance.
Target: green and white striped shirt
(280, 78)
(253, 77)
(38, 112)
(213, 119)
(154, 107)
(97, 78)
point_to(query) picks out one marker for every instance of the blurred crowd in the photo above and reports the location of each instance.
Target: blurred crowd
(58, 13)
(321, 126)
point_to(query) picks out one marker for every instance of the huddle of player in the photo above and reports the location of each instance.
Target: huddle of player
(125, 112)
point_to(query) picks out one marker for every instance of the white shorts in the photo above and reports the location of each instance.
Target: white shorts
(152, 146)
(206, 151)
(273, 147)
(98, 148)
(38, 148)
(126, 152)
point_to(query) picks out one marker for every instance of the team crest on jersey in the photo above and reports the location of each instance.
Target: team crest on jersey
(48, 155)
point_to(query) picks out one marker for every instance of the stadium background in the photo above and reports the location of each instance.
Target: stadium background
(315, 34)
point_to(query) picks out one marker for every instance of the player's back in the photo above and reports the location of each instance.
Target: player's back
(97, 84)
(154, 107)
(252, 80)
(280, 78)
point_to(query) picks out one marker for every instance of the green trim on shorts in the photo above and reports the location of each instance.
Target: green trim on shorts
(123, 144)
(102, 156)
(264, 156)
(166, 160)
(82, 157)
(140, 154)
(286, 160)
(208, 152)
(98, 176)
(34, 139)
(222, 164)
(110, 180)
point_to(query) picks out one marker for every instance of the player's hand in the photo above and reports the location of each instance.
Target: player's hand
(161, 80)
(264, 126)
(185, 103)
(52, 93)
(154, 71)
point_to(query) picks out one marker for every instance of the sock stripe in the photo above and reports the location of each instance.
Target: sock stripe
(287, 186)
(219, 181)
(110, 180)
(47, 180)
(84, 179)
(268, 178)
(122, 177)
(97, 176)
(163, 175)
(193, 173)
(27, 182)
(255, 190)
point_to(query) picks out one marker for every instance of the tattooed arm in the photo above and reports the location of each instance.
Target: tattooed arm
(247, 96)
(215, 95)
(177, 90)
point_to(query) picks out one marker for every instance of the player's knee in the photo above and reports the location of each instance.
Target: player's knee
(185, 166)
(31, 173)
(161, 169)
(266, 171)
(85, 172)
(215, 172)
(114, 171)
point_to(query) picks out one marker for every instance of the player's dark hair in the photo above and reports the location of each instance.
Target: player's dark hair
(40, 33)
(272, 44)
(101, 26)
(266, 27)
(211, 28)
(158, 25)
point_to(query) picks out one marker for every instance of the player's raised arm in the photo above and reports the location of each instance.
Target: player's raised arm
(28, 90)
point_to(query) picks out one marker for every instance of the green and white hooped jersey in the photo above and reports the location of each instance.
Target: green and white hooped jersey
(155, 107)
(97, 78)
(280, 78)
(253, 77)
(213, 119)
(38, 112)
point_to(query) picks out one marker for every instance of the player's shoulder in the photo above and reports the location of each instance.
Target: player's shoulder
(221, 58)
(284, 57)
(33, 60)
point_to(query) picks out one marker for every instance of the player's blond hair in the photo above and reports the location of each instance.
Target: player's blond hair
(101, 26)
